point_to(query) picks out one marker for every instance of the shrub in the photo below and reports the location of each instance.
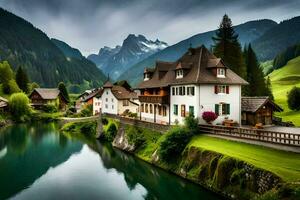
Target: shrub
(293, 99)
(209, 116)
(104, 121)
(88, 128)
(13, 87)
(19, 106)
(135, 137)
(87, 111)
(133, 115)
(111, 132)
(191, 123)
(174, 143)
(49, 108)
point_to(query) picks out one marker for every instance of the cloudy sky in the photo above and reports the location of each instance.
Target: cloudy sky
(91, 24)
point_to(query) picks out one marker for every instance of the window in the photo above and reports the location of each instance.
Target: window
(190, 91)
(125, 103)
(221, 72)
(146, 76)
(112, 100)
(159, 110)
(173, 91)
(176, 90)
(182, 110)
(175, 107)
(142, 107)
(221, 89)
(151, 110)
(146, 108)
(106, 99)
(183, 91)
(222, 109)
(112, 107)
(180, 91)
(106, 106)
(107, 92)
(179, 73)
(191, 111)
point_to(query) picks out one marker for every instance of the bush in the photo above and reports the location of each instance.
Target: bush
(104, 121)
(87, 111)
(209, 116)
(88, 128)
(174, 143)
(293, 99)
(49, 108)
(135, 137)
(19, 106)
(191, 123)
(111, 132)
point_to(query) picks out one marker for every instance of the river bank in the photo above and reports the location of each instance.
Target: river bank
(231, 177)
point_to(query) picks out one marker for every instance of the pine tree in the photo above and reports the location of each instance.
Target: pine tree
(228, 47)
(22, 80)
(269, 88)
(6, 75)
(255, 77)
(62, 88)
(293, 99)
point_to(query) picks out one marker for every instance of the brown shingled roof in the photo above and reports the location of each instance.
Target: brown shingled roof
(48, 93)
(121, 93)
(252, 104)
(198, 61)
(108, 84)
(3, 102)
(95, 93)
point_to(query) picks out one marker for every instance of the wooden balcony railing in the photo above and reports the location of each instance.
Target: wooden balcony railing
(154, 99)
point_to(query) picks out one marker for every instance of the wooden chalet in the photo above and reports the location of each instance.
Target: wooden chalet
(43, 96)
(257, 110)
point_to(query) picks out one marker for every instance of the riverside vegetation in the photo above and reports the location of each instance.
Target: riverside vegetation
(232, 169)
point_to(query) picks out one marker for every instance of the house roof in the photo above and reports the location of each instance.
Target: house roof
(95, 93)
(108, 84)
(3, 102)
(252, 104)
(48, 93)
(122, 93)
(197, 62)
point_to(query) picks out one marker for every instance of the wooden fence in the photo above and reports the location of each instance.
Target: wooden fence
(289, 139)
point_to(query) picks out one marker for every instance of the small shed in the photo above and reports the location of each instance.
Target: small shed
(3, 104)
(258, 110)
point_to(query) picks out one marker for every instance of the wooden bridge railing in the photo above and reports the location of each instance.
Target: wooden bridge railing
(253, 134)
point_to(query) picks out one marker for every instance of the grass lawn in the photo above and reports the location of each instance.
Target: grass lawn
(283, 80)
(285, 164)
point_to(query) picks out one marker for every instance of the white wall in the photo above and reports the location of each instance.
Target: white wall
(97, 104)
(187, 100)
(109, 102)
(131, 107)
(160, 119)
(208, 99)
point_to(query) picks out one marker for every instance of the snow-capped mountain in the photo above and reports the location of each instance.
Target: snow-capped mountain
(115, 61)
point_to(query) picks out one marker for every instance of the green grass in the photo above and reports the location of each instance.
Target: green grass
(283, 80)
(284, 164)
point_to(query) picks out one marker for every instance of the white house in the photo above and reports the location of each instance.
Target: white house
(94, 99)
(118, 100)
(195, 83)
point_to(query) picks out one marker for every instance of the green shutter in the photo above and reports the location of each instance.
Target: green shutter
(217, 109)
(228, 109)
(175, 109)
(191, 110)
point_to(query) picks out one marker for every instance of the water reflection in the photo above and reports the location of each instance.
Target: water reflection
(39, 163)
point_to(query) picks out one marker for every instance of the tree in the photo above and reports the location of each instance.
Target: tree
(6, 74)
(269, 88)
(62, 88)
(293, 99)
(13, 87)
(255, 76)
(33, 86)
(22, 80)
(228, 47)
(19, 106)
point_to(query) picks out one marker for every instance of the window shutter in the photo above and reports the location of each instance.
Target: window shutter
(217, 109)
(216, 89)
(227, 89)
(228, 109)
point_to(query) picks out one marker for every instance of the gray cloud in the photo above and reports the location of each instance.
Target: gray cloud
(91, 24)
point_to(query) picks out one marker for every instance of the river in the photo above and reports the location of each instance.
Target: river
(37, 162)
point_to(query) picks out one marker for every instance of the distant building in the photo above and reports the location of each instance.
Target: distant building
(118, 100)
(3, 104)
(258, 110)
(195, 83)
(94, 99)
(43, 96)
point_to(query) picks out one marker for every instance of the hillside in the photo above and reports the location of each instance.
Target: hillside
(67, 49)
(277, 39)
(21, 44)
(247, 32)
(283, 80)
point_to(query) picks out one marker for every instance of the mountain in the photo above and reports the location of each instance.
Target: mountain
(134, 49)
(103, 56)
(248, 32)
(21, 44)
(69, 51)
(278, 38)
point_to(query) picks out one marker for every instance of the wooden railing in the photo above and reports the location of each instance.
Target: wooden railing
(154, 99)
(253, 134)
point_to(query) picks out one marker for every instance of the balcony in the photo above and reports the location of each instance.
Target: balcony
(154, 99)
